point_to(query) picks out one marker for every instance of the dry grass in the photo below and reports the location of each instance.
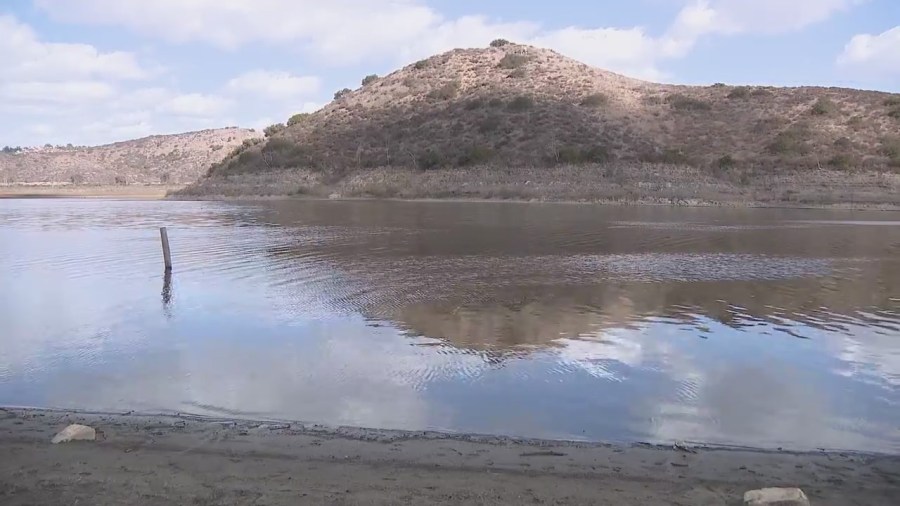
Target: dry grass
(160, 159)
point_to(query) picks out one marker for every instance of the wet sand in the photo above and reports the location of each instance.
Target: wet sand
(141, 459)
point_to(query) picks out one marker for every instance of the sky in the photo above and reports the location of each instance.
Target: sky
(96, 71)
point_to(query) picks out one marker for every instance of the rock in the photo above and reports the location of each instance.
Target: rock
(776, 497)
(75, 432)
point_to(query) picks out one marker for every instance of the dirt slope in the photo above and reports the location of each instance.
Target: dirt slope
(166, 159)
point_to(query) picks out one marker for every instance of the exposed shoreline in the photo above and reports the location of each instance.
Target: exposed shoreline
(50, 191)
(649, 184)
(166, 459)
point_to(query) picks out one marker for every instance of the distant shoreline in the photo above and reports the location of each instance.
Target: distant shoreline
(642, 184)
(186, 459)
(51, 191)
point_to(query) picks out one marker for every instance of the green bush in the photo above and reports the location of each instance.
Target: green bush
(595, 100)
(892, 101)
(513, 61)
(521, 103)
(789, 142)
(421, 65)
(489, 124)
(824, 106)
(500, 43)
(446, 92)
(682, 102)
(738, 93)
(341, 93)
(726, 162)
(271, 130)
(495, 102)
(298, 118)
(369, 79)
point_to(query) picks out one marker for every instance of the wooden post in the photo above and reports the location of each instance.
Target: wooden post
(167, 255)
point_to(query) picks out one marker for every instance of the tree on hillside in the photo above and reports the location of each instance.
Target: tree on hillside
(369, 79)
(340, 93)
(297, 118)
(271, 130)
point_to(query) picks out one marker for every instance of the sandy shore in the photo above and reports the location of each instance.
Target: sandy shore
(150, 192)
(141, 459)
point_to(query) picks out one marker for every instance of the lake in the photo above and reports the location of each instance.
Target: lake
(755, 327)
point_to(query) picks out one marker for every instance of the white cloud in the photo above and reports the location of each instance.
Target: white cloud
(629, 51)
(56, 92)
(879, 54)
(27, 58)
(195, 104)
(274, 85)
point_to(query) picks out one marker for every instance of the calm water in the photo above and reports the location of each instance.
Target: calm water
(753, 327)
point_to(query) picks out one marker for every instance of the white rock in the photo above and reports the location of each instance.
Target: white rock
(75, 432)
(776, 497)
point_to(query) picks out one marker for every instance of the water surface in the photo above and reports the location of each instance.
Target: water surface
(768, 328)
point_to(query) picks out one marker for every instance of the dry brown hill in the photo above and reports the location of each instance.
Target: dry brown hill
(523, 106)
(159, 159)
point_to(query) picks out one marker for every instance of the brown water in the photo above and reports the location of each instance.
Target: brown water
(771, 328)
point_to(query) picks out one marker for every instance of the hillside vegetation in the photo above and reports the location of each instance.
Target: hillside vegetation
(523, 116)
(160, 159)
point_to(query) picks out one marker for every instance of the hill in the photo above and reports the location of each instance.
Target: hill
(520, 121)
(159, 159)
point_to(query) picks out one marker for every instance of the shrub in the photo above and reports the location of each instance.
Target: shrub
(760, 92)
(474, 104)
(726, 162)
(489, 124)
(843, 143)
(475, 155)
(892, 101)
(789, 142)
(738, 93)
(446, 92)
(517, 74)
(520, 104)
(718, 85)
(513, 61)
(253, 141)
(495, 102)
(500, 43)
(369, 79)
(894, 113)
(430, 159)
(823, 106)
(421, 65)
(575, 155)
(685, 103)
(341, 93)
(840, 161)
(298, 118)
(595, 100)
(890, 147)
(674, 156)
(271, 130)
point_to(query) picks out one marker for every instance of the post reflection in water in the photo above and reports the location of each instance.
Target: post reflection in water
(772, 328)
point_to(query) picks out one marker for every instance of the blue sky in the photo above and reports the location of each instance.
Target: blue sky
(96, 71)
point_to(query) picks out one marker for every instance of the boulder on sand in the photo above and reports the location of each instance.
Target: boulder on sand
(75, 432)
(776, 497)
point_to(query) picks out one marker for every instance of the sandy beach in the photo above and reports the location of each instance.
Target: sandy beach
(140, 459)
